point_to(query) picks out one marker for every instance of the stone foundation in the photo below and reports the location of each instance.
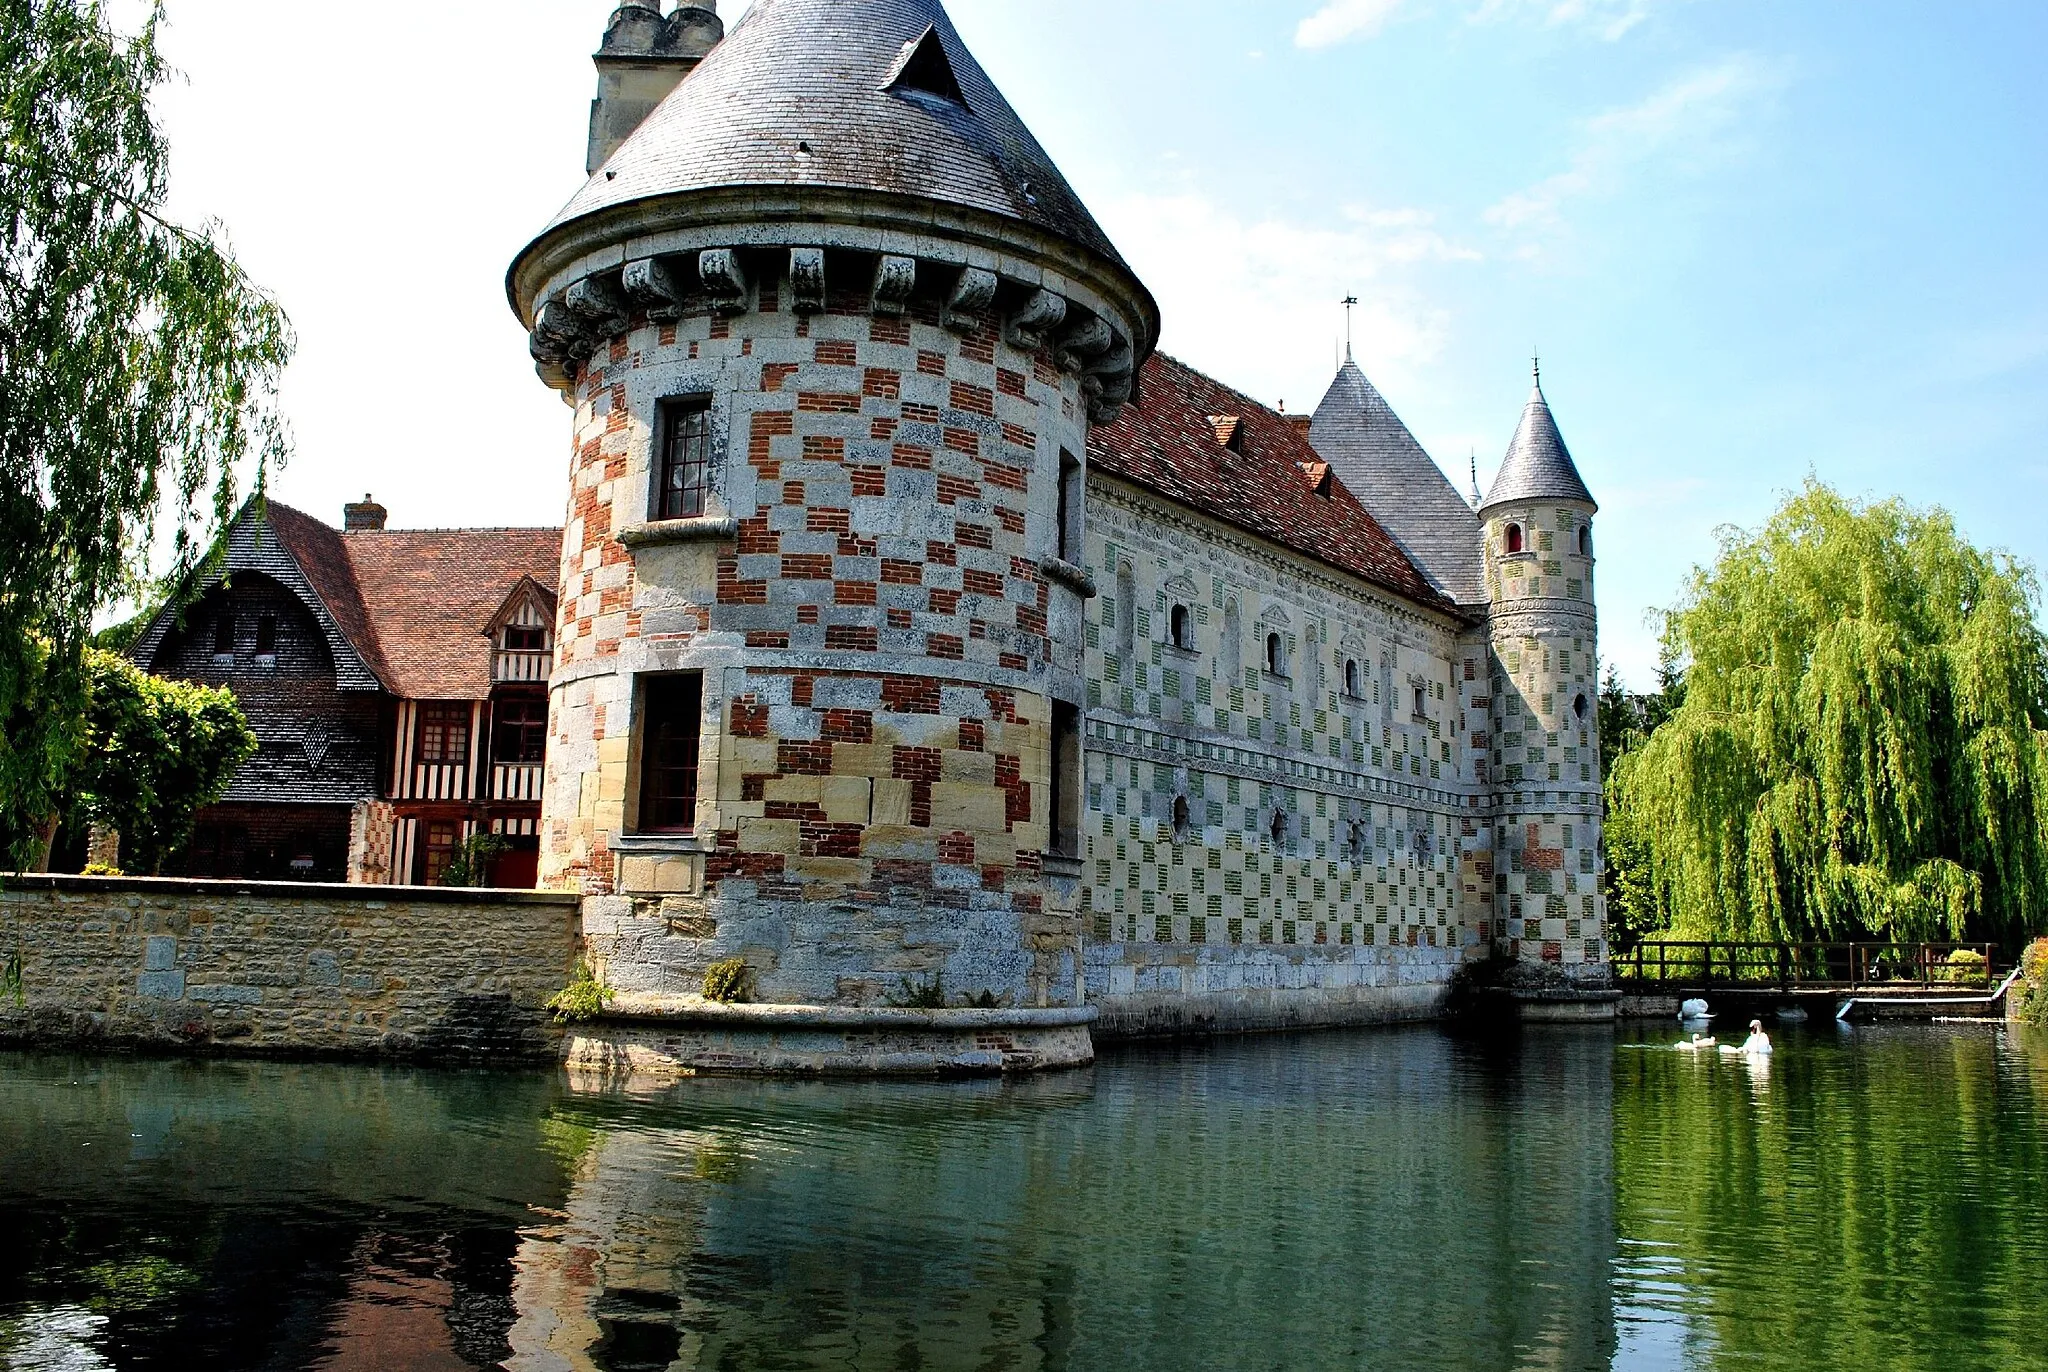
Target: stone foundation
(648, 1039)
(1146, 990)
(252, 967)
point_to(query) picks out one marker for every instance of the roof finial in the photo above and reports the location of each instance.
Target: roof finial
(1536, 364)
(1476, 497)
(1349, 302)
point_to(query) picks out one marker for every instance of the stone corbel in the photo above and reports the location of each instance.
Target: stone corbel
(972, 295)
(1042, 313)
(1075, 579)
(593, 301)
(807, 280)
(1108, 382)
(558, 332)
(895, 278)
(724, 280)
(649, 283)
(1083, 343)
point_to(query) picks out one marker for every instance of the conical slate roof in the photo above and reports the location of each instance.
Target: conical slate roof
(1538, 465)
(1358, 434)
(852, 94)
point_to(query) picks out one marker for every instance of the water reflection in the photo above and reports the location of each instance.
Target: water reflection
(1569, 1199)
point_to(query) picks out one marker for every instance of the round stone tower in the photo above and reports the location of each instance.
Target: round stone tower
(834, 327)
(1544, 752)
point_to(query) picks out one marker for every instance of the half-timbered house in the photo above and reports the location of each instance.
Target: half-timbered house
(397, 683)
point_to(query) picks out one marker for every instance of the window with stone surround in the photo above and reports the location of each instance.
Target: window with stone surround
(671, 725)
(683, 474)
(1351, 677)
(444, 733)
(1276, 655)
(1063, 804)
(1511, 539)
(1181, 623)
(1071, 508)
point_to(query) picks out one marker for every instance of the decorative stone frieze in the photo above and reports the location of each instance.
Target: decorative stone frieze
(654, 289)
(724, 281)
(895, 279)
(1028, 327)
(807, 280)
(972, 294)
(593, 301)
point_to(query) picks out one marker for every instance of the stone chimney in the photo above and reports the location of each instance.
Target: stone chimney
(366, 516)
(644, 57)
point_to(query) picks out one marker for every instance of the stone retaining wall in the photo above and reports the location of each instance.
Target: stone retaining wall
(276, 968)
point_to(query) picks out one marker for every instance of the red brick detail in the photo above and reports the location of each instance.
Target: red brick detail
(883, 429)
(942, 602)
(947, 646)
(834, 352)
(725, 866)
(800, 689)
(848, 726)
(869, 480)
(910, 695)
(825, 520)
(665, 336)
(1009, 478)
(974, 399)
(1019, 436)
(749, 717)
(1009, 382)
(930, 363)
(804, 759)
(732, 590)
(820, 448)
(1002, 705)
(1044, 370)
(882, 383)
(1031, 621)
(807, 614)
(898, 618)
(899, 573)
(827, 402)
(940, 554)
(975, 535)
(979, 346)
(976, 582)
(793, 493)
(1543, 860)
(882, 329)
(915, 764)
(1012, 662)
(820, 839)
(956, 850)
(911, 458)
(854, 593)
(1012, 520)
(773, 374)
(973, 735)
(852, 638)
(806, 567)
(914, 413)
(1016, 791)
(953, 489)
(965, 441)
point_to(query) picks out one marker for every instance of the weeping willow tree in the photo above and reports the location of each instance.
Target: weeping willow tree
(1859, 748)
(138, 374)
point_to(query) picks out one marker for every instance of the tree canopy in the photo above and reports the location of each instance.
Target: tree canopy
(155, 752)
(1857, 750)
(138, 374)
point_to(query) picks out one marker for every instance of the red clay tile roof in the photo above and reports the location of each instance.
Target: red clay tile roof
(432, 592)
(1167, 442)
(318, 550)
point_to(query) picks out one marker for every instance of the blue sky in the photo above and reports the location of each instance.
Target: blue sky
(1752, 240)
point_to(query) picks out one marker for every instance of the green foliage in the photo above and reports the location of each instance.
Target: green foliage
(730, 982)
(101, 869)
(921, 995)
(155, 751)
(1857, 751)
(1964, 965)
(2031, 1004)
(584, 998)
(982, 1000)
(138, 375)
(471, 863)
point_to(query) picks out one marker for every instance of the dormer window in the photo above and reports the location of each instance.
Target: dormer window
(925, 69)
(525, 638)
(1511, 539)
(1229, 432)
(266, 639)
(1181, 627)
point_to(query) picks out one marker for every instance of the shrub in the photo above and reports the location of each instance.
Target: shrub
(921, 995)
(730, 982)
(2031, 995)
(1964, 965)
(584, 998)
(102, 869)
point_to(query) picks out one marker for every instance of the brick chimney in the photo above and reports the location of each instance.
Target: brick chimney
(643, 58)
(363, 516)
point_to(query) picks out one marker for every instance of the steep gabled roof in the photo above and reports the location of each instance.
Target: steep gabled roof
(1538, 465)
(1378, 458)
(1168, 443)
(431, 592)
(851, 95)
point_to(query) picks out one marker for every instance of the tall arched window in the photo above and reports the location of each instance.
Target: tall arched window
(1511, 539)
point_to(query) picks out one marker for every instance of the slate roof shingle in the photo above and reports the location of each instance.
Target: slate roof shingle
(1538, 465)
(1167, 443)
(1375, 455)
(797, 94)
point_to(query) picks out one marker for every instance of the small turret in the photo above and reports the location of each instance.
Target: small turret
(643, 58)
(1544, 764)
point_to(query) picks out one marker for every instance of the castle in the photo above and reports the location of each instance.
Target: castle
(922, 629)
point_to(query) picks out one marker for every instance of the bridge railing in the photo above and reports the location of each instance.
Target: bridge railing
(1854, 966)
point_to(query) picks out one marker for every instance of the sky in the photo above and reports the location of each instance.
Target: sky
(1752, 240)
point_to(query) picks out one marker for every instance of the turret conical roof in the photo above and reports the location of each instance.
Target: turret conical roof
(864, 95)
(1538, 465)
(1380, 462)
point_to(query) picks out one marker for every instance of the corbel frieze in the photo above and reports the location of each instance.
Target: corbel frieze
(1041, 314)
(895, 279)
(653, 287)
(972, 295)
(594, 301)
(725, 281)
(807, 281)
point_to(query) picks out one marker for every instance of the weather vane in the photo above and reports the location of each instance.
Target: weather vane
(1349, 302)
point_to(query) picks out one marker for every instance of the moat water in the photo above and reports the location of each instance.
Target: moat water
(1873, 1198)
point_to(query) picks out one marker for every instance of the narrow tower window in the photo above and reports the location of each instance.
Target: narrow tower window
(1585, 541)
(1351, 682)
(671, 721)
(1276, 655)
(1421, 701)
(1181, 819)
(684, 474)
(1183, 628)
(1063, 811)
(1579, 708)
(1511, 541)
(1071, 505)
(1278, 828)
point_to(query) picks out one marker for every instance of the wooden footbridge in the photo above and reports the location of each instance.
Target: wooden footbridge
(1860, 980)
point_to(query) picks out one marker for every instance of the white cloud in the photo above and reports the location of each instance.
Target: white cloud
(1265, 291)
(1689, 110)
(1343, 20)
(1609, 19)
